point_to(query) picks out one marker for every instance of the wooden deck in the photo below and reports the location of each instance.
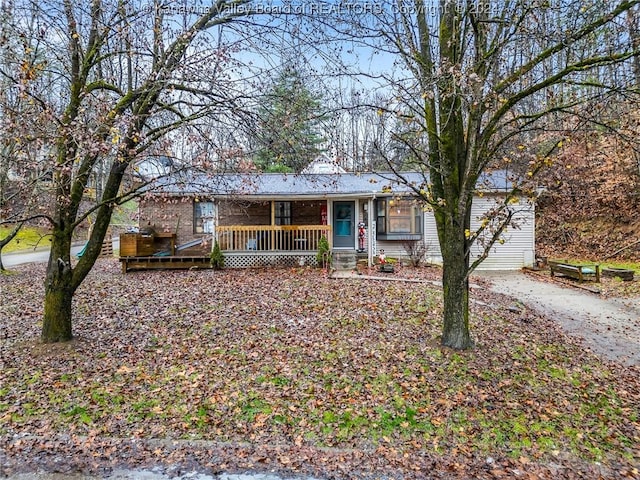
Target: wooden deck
(164, 263)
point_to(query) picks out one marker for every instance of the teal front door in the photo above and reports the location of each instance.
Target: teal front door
(344, 233)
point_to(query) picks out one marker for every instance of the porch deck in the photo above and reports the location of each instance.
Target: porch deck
(246, 246)
(164, 263)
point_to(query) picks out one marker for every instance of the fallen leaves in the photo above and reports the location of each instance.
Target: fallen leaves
(307, 371)
(590, 204)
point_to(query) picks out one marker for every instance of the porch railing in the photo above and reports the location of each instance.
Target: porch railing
(271, 237)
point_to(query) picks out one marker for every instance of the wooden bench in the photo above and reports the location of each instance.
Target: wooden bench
(577, 272)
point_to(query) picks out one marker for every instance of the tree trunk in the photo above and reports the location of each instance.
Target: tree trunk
(62, 281)
(56, 326)
(455, 283)
(59, 289)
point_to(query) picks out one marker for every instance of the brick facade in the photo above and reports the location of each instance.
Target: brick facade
(173, 215)
(306, 212)
(176, 214)
(244, 213)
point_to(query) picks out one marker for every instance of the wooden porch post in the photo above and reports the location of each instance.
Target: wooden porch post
(273, 222)
(330, 223)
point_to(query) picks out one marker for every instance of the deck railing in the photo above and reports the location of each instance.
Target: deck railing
(234, 238)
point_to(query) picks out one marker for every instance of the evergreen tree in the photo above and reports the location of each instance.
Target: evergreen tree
(289, 125)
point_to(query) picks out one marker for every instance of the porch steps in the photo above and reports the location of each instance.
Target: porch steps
(344, 259)
(362, 255)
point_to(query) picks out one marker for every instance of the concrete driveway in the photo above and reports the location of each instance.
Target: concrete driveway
(609, 326)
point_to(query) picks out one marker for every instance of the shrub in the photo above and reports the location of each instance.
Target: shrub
(323, 248)
(416, 250)
(217, 257)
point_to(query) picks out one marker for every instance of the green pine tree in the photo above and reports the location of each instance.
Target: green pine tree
(289, 127)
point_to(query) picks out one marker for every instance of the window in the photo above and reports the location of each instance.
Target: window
(283, 213)
(398, 219)
(203, 217)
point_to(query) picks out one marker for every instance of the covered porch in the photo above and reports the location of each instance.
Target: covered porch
(271, 238)
(270, 232)
(270, 245)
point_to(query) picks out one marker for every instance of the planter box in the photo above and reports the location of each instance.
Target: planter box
(136, 245)
(622, 273)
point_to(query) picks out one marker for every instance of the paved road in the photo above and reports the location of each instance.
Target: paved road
(609, 326)
(41, 254)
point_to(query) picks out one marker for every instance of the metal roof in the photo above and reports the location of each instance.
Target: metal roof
(335, 184)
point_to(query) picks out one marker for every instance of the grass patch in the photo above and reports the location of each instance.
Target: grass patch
(27, 238)
(125, 214)
(628, 265)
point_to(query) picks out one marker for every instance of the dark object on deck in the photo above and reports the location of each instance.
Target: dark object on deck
(577, 272)
(624, 274)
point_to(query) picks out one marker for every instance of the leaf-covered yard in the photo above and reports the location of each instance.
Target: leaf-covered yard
(288, 370)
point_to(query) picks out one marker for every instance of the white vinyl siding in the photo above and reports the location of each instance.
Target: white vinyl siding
(518, 249)
(392, 248)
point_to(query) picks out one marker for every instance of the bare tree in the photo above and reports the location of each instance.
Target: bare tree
(478, 77)
(119, 81)
(23, 152)
(633, 23)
